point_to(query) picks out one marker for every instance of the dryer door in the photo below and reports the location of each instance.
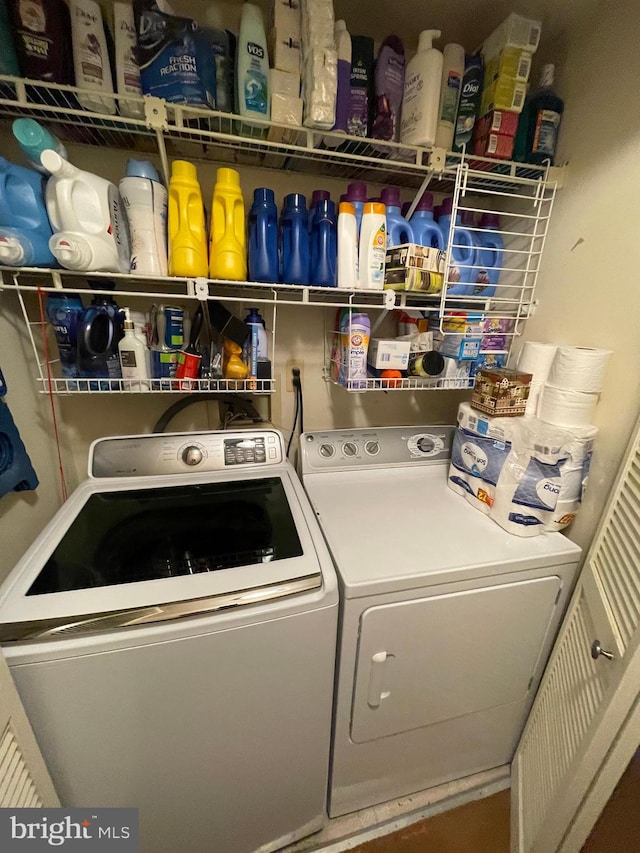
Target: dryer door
(432, 659)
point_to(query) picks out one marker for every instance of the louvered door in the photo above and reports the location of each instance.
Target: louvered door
(24, 778)
(583, 701)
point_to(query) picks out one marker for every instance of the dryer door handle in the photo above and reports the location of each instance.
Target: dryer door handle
(376, 694)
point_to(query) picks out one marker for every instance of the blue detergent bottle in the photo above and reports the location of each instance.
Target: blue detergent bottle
(399, 231)
(490, 255)
(357, 196)
(324, 245)
(263, 237)
(316, 197)
(294, 240)
(25, 229)
(426, 231)
(63, 312)
(100, 328)
(463, 252)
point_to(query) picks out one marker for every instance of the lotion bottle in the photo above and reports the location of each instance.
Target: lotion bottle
(127, 69)
(91, 62)
(133, 357)
(422, 93)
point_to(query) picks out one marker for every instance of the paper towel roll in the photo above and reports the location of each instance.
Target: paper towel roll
(579, 368)
(536, 358)
(566, 408)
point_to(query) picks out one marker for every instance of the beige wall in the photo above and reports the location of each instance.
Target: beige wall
(588, 296)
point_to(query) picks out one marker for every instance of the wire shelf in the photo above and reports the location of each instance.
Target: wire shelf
(411, 383)
(155, 386)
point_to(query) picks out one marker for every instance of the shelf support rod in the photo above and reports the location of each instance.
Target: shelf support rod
(423, 186)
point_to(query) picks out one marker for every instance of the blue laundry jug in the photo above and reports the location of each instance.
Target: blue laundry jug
(25, 229)
(490, 255)
(100, 328)
(463, 253)
(426, 231)
(263, 237)
(324, 245)
(294, 240)
(399, 231)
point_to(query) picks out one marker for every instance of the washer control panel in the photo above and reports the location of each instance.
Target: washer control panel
(337, 450)
(183, 453)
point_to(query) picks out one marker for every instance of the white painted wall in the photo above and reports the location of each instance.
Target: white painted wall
(588, 296)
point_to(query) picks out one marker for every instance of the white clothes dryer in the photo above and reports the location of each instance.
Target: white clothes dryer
(446, 619)
(172, 636)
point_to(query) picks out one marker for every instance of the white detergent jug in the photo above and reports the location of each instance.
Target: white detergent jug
(88, 218)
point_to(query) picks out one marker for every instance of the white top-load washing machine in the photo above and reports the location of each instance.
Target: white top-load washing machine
(172, 636)
(446, 619)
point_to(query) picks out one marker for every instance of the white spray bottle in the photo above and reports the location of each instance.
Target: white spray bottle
(87, 216)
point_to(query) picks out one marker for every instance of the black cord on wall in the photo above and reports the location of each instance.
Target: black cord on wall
(299, 407)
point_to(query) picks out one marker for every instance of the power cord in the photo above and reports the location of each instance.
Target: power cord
(299, 406)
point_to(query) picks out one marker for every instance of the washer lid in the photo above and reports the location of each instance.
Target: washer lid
(159, 549)
(397, 529)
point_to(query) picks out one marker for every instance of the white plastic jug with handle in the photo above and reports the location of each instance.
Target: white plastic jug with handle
(88, 218)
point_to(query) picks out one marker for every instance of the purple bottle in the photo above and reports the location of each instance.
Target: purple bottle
(399, 231)
(389, 83)
(324, 245)
(343, 94)
(357, 196)
(426, 231)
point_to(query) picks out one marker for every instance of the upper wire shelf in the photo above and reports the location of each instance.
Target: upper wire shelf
(202, 134)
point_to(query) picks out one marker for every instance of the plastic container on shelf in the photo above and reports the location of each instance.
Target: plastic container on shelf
(25, 230)
(490, 254)
(426, 231)
(91, 61)
(252, 65)
(99, 330)
(228, 249)
(41, 37)
(398, 228)
(358, 196)
(134, 363)
(545, 110)
(462, 251)
(372, 247)
(421, 98)
(33, 138)
(263, 237)
(63, 312)
(88, 218)
(145, 200)
(389, 89)
(295, 249)
(343, 94)
(355, 331)
(324, 245)
(126, 62)
(187, 234)
(450, 88)
(347, 247)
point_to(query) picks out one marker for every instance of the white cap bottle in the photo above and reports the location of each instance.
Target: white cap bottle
(347, 246)
(373, 246)
(422, 93)
(133, 358)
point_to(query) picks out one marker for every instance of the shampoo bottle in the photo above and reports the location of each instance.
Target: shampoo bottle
(187, 234)
(228, 251)
(252, 59)
(372, 247)
(422, 93)
(145, 200)
(450, 87)
(87, 215)
(389, 80)
(126, 61)
(91, 62)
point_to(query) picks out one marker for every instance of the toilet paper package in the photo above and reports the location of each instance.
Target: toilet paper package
(579, 368)
(565, 512)
(476, 465)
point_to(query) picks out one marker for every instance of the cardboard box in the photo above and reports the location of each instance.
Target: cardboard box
(514, 31)
(284, 83)
(488, 360)
(468, 323)
(284, 16)
(460, 347)
(501, 392)
(503, 94)
(497, 121)
(414, 267)
(388, 354)
(284, 52)
(494, 145)
(512, 62)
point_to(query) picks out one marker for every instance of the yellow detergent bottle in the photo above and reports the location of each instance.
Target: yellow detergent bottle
(187, 232)
(227, 251)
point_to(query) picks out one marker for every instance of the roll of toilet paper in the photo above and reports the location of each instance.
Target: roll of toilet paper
(565, 512)
(533, 401)
(571, 483)
(566, 408)
(526, 494)
(536, 358)
(579, 368)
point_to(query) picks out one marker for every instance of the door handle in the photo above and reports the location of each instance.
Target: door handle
(597, 651)
(376, 694)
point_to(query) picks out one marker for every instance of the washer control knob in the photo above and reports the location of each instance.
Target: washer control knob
(192, 455)
(372, 448)
(326, 450)
(426, 444)
(349, 448)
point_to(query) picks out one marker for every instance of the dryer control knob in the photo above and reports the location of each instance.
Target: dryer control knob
(326, 450)
(349, 448)
(192, 455)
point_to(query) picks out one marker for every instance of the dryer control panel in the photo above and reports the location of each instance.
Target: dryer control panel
(339, 450)
(181, 453)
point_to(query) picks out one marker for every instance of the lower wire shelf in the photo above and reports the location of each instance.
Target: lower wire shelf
(407, 383)
(155, 386)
